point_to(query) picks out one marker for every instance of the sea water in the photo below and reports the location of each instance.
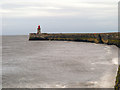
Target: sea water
(57, 64)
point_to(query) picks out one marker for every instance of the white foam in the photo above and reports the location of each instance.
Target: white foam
(92, 68)
(53, 86)
(115, 61)
(93, 63)
(93, 82)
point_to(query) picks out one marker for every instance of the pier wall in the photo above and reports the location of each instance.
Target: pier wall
(105, 38)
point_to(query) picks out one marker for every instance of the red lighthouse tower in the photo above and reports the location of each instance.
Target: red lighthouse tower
(38, 29)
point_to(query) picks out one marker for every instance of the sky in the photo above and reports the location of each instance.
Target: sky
(21, 17)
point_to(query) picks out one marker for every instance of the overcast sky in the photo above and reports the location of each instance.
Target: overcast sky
(19, 17)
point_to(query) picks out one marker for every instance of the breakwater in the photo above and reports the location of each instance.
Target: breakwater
(105, 38)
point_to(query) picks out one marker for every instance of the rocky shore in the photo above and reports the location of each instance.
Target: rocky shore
(117, 83)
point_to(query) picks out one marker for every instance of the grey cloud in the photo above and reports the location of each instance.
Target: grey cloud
(99, 19)
(20, 5)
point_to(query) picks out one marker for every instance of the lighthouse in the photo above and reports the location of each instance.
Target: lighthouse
(38, 30)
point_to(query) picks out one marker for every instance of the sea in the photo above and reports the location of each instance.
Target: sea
(57, 64)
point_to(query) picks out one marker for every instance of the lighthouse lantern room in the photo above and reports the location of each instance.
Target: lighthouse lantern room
(38, 30)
